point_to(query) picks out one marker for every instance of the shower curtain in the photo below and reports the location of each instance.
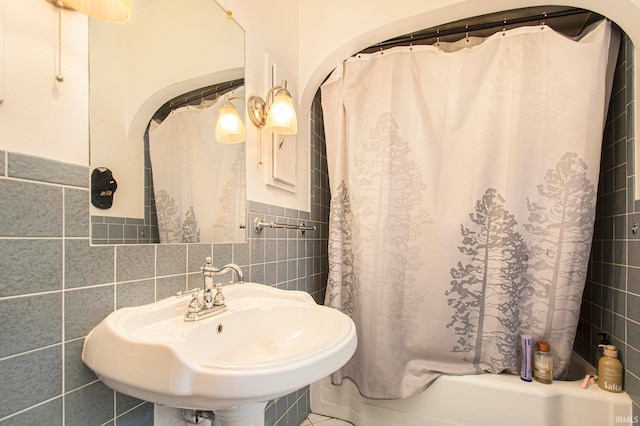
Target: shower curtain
(463, 189)
(199, 183)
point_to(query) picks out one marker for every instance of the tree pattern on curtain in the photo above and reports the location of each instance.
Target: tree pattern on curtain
(492, 280)
(175, 229)
(190, 230)
(506, 288)
(562, 230)
(341, 284)
(231, 194)
(393, 185)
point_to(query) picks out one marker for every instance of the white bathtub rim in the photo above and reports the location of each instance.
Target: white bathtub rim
(563, 402)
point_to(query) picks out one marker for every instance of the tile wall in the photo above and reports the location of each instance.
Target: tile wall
(55, 287)
(611, 301)
(127, 230)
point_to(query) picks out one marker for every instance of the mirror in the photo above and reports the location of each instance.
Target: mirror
(169, 48)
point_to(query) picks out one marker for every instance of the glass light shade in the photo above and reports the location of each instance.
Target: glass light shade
(103, 10)
(281, 118)
(229, 127)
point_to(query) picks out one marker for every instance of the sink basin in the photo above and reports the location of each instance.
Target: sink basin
(268, 343)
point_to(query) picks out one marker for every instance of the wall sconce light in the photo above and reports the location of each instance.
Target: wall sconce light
(116, 11)
(229, 127)
(277, 116)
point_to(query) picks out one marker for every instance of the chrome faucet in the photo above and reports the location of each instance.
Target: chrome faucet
(229, 267)
(211, 304)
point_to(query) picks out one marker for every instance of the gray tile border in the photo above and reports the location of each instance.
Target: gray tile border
(93, 403)
(196, 256)
(76, 373)
(46, 170)
(76, 212)
(141, 416)
(125, 403)
(270, 273)
(256, 207)
(29, 209)
(195, 280)
(51, 411)
(29, 379)
(241, 255)
(30, 266)
(30, 322)
(135, 293)
(99, 231)
(85, 308)
(130, 232)
(114, 219)
(168, 286)
(257, 273)
(87, 265)
(3, 167)
(270, 250)
(135, 262)
(222, 254)
(171, 259)
(256, 250)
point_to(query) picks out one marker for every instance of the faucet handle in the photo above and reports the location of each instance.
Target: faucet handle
(218, 299)
(194, 305)
(186, 292)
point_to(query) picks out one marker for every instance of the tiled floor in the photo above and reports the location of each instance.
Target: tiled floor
(317, 419)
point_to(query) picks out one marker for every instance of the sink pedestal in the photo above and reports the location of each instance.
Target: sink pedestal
(246, 415)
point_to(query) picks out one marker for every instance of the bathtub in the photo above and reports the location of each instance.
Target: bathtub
(479, 400)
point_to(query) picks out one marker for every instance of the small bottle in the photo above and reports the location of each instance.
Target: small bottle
(610, 370)
(525, 357)
(543, 364)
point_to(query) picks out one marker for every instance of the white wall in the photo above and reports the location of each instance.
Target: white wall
(272, 27)
(40, 116)
(307, 38)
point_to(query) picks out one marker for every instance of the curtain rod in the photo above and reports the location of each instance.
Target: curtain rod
(540, 17)
(189, 97)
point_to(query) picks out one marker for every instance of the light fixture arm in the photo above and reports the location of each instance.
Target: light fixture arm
(258, 107)
(228, 98)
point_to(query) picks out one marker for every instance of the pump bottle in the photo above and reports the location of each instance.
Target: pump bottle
(610, 370)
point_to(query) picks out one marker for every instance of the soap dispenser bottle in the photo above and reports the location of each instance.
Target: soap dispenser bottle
(603, 342)
(610, 370)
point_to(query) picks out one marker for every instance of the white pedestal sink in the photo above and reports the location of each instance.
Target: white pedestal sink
(268, 343)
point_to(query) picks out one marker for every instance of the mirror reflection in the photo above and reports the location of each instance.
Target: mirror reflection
(169, 51)
(198, 182)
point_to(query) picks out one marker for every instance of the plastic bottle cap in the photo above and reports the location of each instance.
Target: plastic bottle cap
(610, 350)
(544, 346)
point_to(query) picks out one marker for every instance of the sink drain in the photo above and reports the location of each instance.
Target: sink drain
(219, 330)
